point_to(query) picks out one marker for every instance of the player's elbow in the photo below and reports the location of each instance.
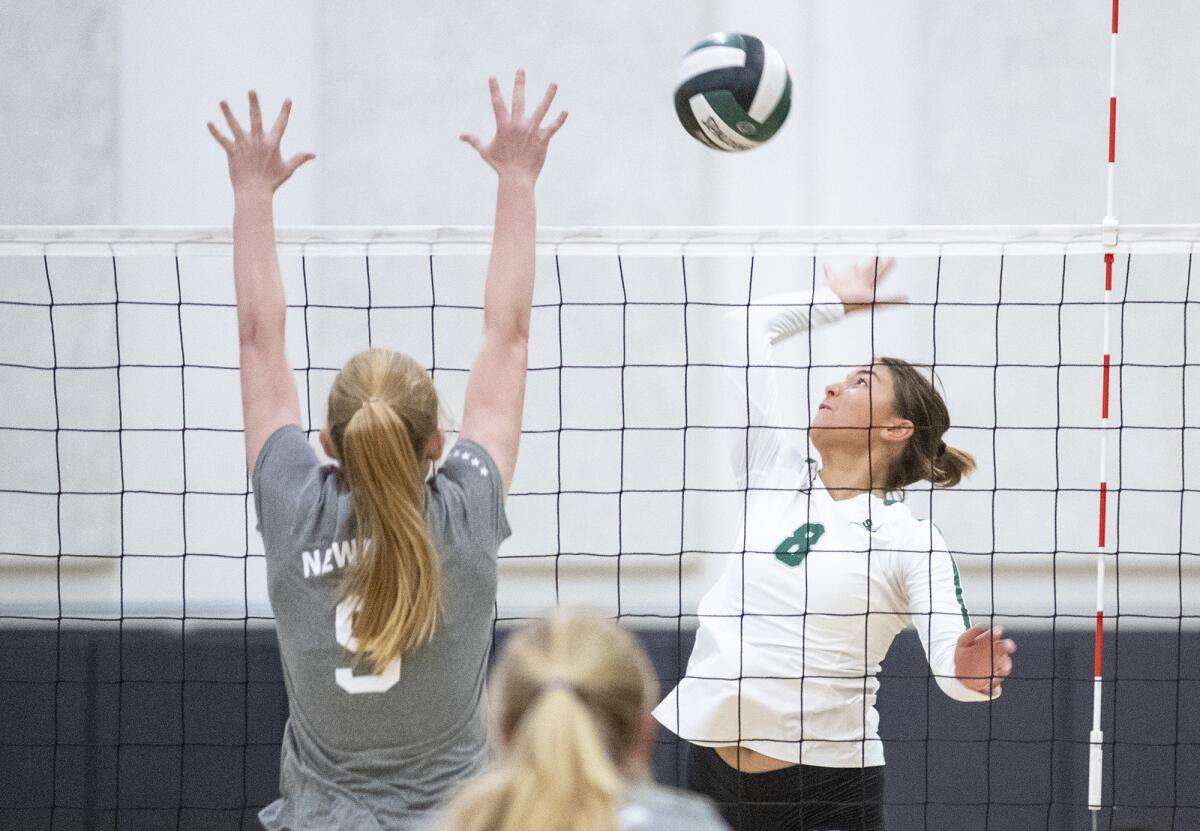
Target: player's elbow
(256, 330)
(507, 330)
(508, 349)
(734, 321)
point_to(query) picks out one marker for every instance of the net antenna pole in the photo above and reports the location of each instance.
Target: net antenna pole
(1109, 240)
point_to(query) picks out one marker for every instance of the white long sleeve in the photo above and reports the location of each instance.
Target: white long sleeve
(748, 339)
(938, 612)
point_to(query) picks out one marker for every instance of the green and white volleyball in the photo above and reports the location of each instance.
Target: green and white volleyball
(734, 91)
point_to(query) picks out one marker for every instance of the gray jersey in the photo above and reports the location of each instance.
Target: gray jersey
(383, 750)
(648, 807)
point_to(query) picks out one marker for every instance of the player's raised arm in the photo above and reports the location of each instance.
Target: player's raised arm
(496, 386)
(748, 337)
(256, 170)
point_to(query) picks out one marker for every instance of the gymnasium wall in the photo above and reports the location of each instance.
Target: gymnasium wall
(903, 113)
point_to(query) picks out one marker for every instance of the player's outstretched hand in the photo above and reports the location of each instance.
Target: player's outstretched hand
(858, 285)
(983, 658)
(519, 146)
(255, 163)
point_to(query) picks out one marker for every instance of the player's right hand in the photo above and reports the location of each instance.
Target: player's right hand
(519, 147)
(858, 285)
(983, 658)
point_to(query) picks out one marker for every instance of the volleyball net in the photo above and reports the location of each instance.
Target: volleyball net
(137, 677)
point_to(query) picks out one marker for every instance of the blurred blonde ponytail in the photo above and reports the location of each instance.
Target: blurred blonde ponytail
(383, 410)
(574, 694)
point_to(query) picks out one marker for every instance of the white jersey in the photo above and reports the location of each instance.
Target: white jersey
(791, 636)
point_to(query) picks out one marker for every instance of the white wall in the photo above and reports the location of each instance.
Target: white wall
(177, 61)
(59, 65)
(903, 113)
(401, 81)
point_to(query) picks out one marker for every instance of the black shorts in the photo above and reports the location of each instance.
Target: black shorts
(800, 798)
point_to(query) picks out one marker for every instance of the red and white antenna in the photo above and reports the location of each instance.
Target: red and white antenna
(1109, 239)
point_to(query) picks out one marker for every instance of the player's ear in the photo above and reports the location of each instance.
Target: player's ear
(435, 446)
(900, 430)
(328, 446)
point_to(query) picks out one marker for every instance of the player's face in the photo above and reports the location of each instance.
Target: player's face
(861, 400)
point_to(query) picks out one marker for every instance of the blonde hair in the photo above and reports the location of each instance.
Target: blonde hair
(574, 695)
(383, 410)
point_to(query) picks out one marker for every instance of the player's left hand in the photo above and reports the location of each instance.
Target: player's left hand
(858, 285)
(983, 658)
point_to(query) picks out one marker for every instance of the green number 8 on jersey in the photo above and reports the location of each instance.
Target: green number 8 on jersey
(792, 551)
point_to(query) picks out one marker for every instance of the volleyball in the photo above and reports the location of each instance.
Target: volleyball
(734, 91)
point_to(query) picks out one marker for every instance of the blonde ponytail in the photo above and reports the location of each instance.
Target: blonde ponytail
(574, 693)
(559, 776)
(382, 414)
